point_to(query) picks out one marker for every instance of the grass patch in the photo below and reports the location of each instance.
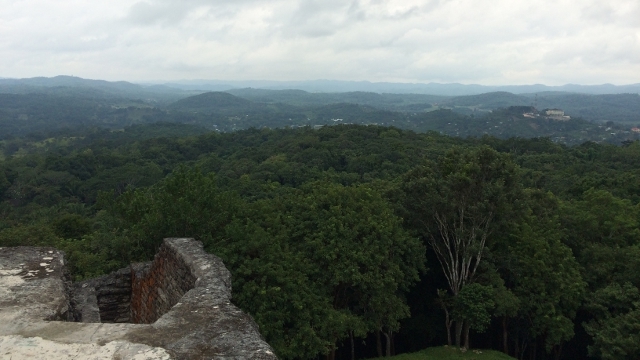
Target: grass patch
(452, 353)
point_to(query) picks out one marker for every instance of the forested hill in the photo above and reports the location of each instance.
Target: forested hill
(396, 102)
(489, 101)
(40, 115)
(39, 107)
(331, 234)
(333, 86)
(623, 108)
(214, 102)
(96, 89)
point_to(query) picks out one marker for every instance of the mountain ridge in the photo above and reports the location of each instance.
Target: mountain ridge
(446, 89)
(320, 85)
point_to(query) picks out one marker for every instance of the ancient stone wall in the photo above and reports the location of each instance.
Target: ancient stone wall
(181, 301)
(106, 298)
(110, 295)
(157, 288)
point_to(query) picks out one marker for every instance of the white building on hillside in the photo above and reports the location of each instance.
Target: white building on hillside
(555, 112)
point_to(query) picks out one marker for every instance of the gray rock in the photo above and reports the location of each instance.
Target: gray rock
(180, 306)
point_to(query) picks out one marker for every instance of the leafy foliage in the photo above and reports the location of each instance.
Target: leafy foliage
(474, 303)
(321, 228)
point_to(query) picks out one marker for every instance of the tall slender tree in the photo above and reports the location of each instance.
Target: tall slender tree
(454, 203)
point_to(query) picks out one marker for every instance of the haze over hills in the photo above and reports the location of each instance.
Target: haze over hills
(624, 108)
(210, 101)
(95, 89)
(325, 86)
(597, 102)
(452, 89)
(63, 102)
(398, 102)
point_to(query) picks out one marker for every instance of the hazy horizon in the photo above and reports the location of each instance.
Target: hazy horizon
(266, 81)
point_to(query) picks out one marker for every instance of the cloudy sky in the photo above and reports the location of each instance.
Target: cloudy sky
(495, 42)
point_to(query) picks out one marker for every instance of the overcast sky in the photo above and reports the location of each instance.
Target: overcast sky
(490, 42)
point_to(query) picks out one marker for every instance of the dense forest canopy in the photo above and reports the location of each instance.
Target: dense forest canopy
(350, 238)
(330, 236)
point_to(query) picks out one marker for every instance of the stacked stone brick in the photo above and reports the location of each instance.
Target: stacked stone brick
(157, 288)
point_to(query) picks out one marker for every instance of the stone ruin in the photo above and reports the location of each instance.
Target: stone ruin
(176, 307)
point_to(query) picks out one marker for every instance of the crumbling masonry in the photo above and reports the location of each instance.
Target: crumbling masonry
(176, 307)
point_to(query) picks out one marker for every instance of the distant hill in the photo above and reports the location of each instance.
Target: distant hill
(94, 89)
(492, 100)
(62, 80)
(214, 102)
(451, 89)
(24, 113)
(598, 107)
(30, 113)
(192, 87)
(289, 96)
(394, 102)
(51, 104)
(623, 108)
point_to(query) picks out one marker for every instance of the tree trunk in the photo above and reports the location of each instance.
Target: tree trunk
(378, 343)
(388, 348)
(534, 349)
(505, 344)
(458, 332)
(466, 335)
(448, 326)
(331, 355)
(393, 345)
(353, 356)
(557, 351)
(442, 295)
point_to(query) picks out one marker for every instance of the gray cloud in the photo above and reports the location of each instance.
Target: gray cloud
(502, 42)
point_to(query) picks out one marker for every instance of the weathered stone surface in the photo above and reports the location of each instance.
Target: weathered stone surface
(18, 347)
(187, 290)
(33, 284)
(84, 304)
